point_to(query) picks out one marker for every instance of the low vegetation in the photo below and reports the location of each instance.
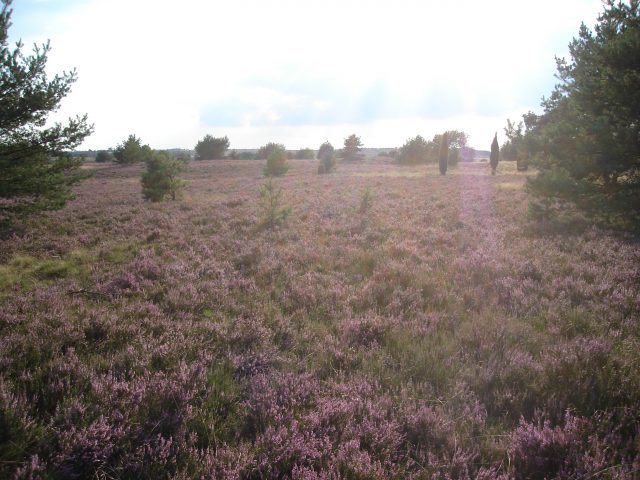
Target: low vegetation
(393, 326)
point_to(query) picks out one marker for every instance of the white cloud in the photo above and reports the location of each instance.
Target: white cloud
(160, 69)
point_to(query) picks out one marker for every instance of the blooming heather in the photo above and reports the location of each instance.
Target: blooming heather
(437, 335)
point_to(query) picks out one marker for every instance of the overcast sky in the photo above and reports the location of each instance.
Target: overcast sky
(301, 72)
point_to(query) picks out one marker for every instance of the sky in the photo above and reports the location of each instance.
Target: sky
(300, 72)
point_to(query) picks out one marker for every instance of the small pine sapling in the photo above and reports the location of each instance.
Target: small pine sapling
(365, 201)
(162, 177)
(272, 209)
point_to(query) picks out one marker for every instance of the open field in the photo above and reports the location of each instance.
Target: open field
(431, 332)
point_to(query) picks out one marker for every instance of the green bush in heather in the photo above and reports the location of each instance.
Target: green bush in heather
(162, 177)
(305, 154)
(326, 155)
(266, 150)
(131, 151)
(277, 164)
(103, 156)
(273, 211)
(414, 151)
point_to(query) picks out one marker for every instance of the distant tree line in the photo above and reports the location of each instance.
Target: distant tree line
(417, 150)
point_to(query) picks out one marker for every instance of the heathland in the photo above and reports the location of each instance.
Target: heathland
(392, 323)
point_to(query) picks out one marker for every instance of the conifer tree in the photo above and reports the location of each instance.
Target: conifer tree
(444, 153)
(36, 171)
(162, 177)
(495, 154)
(326, 155)
(277, 162)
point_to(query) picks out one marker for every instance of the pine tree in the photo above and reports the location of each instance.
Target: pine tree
(36, 172)
(131, 151)
(162, 177)
(210, 148)
(352, 145)
(586, 145)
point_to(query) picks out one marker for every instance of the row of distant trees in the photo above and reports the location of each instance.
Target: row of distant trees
(132, 150)
(585, 145)
(417, 150)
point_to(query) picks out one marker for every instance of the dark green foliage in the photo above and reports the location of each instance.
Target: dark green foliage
(266, 150)
(210, 148)
(162, 177)
(272, 209)
(326, 150)
(35, 172)
(276, 163)
(456, 141)
(495, 154)
(414, 151)
(246, 156)
(511, 147)
(418, 150)
(589, 132)
(444, 153)
(305, 154)
(352, 145)
(103, 156)
(131, 151)
(326, 155)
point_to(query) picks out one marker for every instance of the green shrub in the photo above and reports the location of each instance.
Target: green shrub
(276, 163)
(162, 177)
(104, 156)
(131, 151)
(327, 158)
(352, 145)
(365, 201)
(210, 147)
(272, 209)
(305, 154)
(266, 150)
(414, 151)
